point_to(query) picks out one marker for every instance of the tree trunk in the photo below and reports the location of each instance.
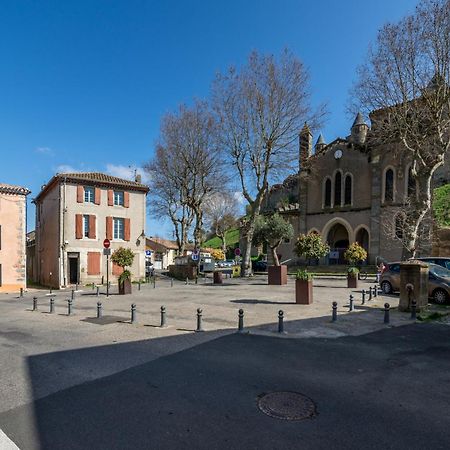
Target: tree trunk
(224, 243)
(276, 261)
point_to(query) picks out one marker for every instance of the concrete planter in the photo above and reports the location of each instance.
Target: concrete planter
(125, 287)
(352, 281)
(303, 292)
(277, 275)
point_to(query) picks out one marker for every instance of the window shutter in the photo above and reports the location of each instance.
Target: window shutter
(110, 197)
(126, 199)
(92, 222)
(93, 263)
(97, 196)
(78, 226)
(80, 194)
(109, 228)
(126, 229)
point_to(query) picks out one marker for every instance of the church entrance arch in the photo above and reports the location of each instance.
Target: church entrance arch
(338, 240)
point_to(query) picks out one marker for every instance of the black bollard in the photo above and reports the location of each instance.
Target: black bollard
(69, 307)
(199, 321)
(196, 280)
(280, 321)
(386, 313)
(370, 293)
(363, 297)
(163, 316)
(413, 310)
(52, 305)
(50, 290)
(72, 295)
(334, 312)
(350, 304)
(98, 291)
(139, 285)
(35, 304)
(375, 291)
(133, 313)
(99, 310)
(241, 321)
(21, 292)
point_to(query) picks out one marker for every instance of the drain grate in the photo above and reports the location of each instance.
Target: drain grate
(287, 405)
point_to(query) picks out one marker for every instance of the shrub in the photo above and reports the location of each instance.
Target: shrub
(218, 254)
(123, 257)
(355, 253)
(310, 246)
(304, 275)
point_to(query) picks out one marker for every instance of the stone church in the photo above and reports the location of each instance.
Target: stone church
(351, 191)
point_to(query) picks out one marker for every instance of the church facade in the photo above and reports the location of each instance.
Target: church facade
(350, 191)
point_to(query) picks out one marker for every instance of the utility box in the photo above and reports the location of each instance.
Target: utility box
(413, 285)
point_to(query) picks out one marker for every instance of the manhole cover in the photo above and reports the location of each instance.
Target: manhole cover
(287, 405)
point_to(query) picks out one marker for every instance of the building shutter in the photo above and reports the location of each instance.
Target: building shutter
(110, 197)
(109, 228)
(80, 194)
(93, 263)
(92, 231)
(97, 196)
(78, 226)
(126, 229)
(126, 199)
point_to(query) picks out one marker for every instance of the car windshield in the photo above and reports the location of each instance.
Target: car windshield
(439, 271)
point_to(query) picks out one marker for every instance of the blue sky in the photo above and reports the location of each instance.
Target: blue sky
(84, 83)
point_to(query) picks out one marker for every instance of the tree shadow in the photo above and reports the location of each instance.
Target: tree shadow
(246, 301)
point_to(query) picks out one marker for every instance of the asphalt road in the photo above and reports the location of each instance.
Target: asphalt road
(389, 389)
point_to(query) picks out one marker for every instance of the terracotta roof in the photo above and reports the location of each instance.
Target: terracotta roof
(95, 178)
(162, 242)
(12, 189)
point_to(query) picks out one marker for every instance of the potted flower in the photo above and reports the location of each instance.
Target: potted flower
(354, 254)
(309, 246)
(273, 230)
(123, 257)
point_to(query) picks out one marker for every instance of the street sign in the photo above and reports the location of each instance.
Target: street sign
(107, 251)
(194, 256)
(106, 243)
(237, 251)
(148, 253)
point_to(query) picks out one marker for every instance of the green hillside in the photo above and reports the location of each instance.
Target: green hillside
(232, 238)
(441, 205)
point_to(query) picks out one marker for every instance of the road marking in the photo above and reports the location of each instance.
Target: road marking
(6, 443)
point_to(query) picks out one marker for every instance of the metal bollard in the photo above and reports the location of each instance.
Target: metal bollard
(133, 313)
(50, 290)
(171, 282)
(334, 312)
(154, 282)
(280, 321)
(21, 292)
(196, 280)
(375, 291)
(99, 310)
(98, 291)
(386, 313)
(363, 297)
(69, 307)
(413, 310)
(72, 295)
(241, 321)
(52, 305)
(350, 306)
(35, 304)
(199, 321)
(163, 317)
(370, 293)
(139, 285)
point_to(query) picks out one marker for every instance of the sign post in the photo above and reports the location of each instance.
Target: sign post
(107, 252)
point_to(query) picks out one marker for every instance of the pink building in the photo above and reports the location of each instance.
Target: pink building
(12, 237)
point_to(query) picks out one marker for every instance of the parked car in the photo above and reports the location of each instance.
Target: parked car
(439, 260)
(149, 269)
(438, 281)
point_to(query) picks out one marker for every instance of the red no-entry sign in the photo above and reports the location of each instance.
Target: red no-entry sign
(106, 243)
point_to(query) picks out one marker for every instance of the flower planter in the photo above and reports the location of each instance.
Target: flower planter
(277, 275)
(125, 287)
(218, 279)
(352, 281)
(303, 292)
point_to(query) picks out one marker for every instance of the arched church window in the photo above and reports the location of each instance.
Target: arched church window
(411, 183)
(337, 189)
(348, 190)
(389, 186)
(327, 199)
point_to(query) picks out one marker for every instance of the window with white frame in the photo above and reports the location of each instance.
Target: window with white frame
(118, 198)
(118, 232)
(89, 194)
(85, 226)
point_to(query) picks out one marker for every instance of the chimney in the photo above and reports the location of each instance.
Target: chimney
(305, 145)
(138, 178)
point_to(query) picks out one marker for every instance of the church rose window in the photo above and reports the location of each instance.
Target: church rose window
(348, 190)
(337, 189)
(389, 186)
(327, 193)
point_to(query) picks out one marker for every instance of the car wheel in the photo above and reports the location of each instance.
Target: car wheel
(386, 287)
(439, 296)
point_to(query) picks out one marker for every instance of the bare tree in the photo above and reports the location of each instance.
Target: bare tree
(187, 167)
(220, 212)
(261, 109)
(405, 86)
